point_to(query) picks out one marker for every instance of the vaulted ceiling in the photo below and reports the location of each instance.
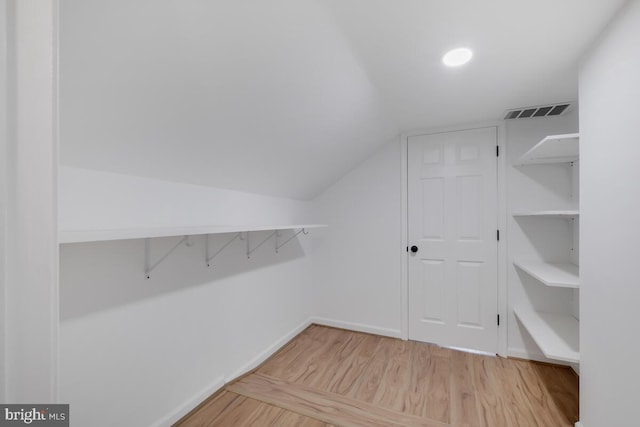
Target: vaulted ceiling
(282, 97)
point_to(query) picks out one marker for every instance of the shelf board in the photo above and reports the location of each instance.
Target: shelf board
(569, 213)
(553, 149)
(561, 275)
(83, 236)
(557, 335)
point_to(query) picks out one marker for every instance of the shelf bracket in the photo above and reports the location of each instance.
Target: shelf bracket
(148, 267)
(303, 231)
(250, 251)
(210, 258)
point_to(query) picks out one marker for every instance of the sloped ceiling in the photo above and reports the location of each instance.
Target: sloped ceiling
(282, 97)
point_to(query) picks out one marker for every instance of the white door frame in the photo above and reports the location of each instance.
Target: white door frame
(502, 224)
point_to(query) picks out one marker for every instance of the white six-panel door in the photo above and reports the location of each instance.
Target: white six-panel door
(452, 222)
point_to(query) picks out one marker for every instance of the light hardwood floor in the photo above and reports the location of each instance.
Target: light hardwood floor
(328, 376)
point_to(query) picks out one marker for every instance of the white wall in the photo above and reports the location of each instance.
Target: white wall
(92, 200)
(30, 295)
(267, 97)
(610, 198)
(154, 349)
(357, 260)
(537, 187)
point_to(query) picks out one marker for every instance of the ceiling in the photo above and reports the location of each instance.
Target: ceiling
(283, 97)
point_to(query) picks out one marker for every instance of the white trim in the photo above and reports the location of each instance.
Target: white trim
(404, 239)
(502, 222)
(358, 327)
(269, 351)
(468, 350)
(537, 357)
(32, 45)
(579, 424)
(503, 289)
(189, 404)
(55, 295)
(4, 136)
(454, 128)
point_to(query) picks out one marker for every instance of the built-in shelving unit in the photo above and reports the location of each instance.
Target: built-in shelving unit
(83, 236)
(567, 213)
(555, 334)
(561, 275)
(553, 149)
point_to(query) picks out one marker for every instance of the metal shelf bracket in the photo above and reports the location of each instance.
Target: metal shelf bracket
(250, 251)
(210, 258)
(278, 246)
(148, 267)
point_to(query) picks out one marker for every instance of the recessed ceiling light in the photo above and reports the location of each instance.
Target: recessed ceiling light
(457, 57)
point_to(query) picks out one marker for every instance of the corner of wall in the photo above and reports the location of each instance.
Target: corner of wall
(189, 404)
(357, 259)
(4, 107)
(267, 352)
(193, 401)
(29, 229)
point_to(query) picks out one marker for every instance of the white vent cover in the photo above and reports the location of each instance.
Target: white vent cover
(538, 111)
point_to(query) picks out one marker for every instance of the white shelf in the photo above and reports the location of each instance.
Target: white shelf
(553, 149)
(82, 236)
(557, 335)
(570, 213)
(561, 275)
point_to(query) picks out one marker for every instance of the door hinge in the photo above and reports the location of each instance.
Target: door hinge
(497, 151)
(498, 320)
(498, 235)
(407, 248)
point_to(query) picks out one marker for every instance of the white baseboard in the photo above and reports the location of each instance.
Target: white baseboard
(189, 404)
(199, 397)
(359, 327)
(256, 361)
(523, 354)
(579, 424)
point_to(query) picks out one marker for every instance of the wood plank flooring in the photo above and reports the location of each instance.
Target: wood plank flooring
(332, 377)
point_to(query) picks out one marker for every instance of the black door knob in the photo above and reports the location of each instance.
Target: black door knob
(414, 249)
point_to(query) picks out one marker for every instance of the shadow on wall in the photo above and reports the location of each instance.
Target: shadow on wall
(543, 235)
(102, 275)
(543, 297)
(549, 177)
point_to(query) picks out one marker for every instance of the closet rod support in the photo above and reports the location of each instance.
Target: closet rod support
(148, 267)
(250, 251)
(210, 258)
(303, 231)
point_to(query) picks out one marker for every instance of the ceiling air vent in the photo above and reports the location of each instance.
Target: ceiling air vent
(540, 111)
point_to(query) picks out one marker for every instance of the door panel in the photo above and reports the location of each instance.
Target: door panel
(469, 208)
(433, 277)
(433, 208)
(469, 288)
(452, 218)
